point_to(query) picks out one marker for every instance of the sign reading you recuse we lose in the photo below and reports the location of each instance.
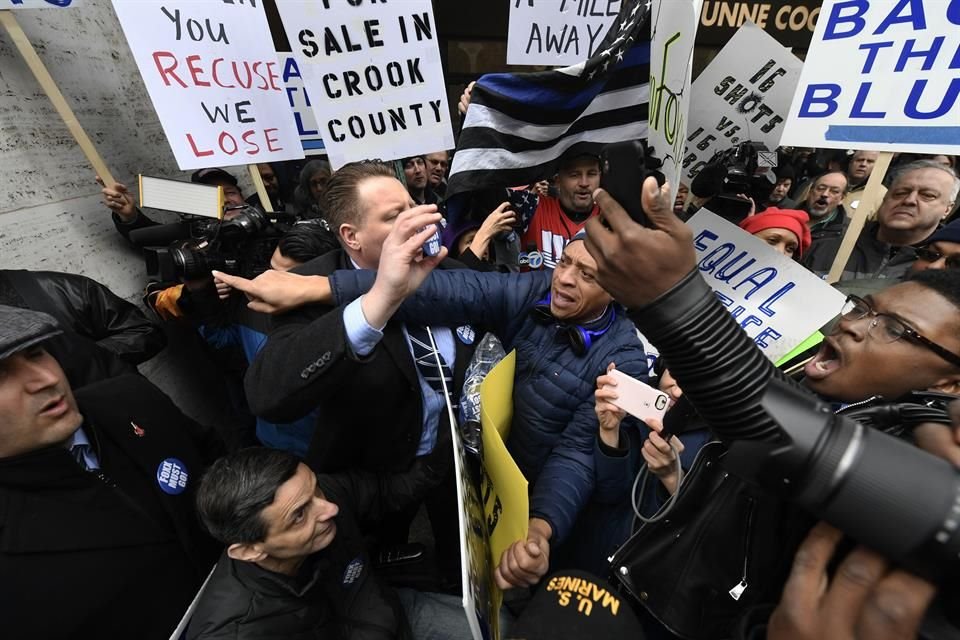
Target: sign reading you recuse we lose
(214, 80)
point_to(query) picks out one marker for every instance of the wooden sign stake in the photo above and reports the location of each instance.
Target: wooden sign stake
(265, 203)
(40, 72)
(870, 196)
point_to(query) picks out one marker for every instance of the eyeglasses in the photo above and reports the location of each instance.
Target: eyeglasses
(930, 255)
(890, 329)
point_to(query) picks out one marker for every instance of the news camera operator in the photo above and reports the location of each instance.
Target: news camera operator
(899, 341)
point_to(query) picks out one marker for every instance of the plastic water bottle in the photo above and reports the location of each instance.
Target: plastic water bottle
(486, 356)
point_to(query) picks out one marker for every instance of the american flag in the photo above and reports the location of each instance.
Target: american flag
(519, 124)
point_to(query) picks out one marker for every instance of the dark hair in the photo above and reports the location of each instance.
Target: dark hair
(785, 172)
(846, 179)
(946, 282)
(237, 488)
(306, 240)
(342, 200)
(307, 207)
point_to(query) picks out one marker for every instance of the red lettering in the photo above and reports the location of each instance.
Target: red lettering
(273, 76)
(167, 70)
(229, 137)
(256, 70)
(216, 77)
(246, 138)
(193, 146)
(195, 71)
(270, 141)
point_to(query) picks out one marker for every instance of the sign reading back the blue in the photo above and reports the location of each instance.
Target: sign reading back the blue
(898, 88)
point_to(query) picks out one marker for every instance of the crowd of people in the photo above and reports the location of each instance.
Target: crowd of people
(344, 350)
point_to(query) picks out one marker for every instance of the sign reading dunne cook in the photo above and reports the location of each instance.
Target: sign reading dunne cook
(791, 22)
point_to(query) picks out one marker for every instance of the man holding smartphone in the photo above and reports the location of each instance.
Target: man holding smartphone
(565, 328)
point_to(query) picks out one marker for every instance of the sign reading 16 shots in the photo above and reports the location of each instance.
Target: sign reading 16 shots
(214, 80)
(883, 75)
(372, 69)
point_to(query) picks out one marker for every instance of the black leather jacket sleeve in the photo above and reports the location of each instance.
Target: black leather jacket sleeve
(719, 368)
(95, 312)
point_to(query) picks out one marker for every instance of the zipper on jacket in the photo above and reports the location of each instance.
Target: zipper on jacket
(741, 586)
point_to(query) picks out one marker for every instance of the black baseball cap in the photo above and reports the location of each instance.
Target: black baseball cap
(212, 175)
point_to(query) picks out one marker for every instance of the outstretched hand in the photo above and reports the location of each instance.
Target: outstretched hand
(278, 291)
(636, 264)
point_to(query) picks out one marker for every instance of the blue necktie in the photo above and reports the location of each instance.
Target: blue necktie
(426, 358)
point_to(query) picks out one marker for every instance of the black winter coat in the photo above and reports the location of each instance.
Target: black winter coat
(109, 554)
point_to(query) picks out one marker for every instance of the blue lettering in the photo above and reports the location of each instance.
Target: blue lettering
(836, 18)
(300, 128)
(723, 274)
(291, 70)
(719, 254)
(953, 12)
(724, 300)
(873, 48)
(929, 56)
(750, 320)
(766, 308)
(949, 99)
(759, 280)
(915, 18)
(761, 339)
(811, 98)
(857, 110)
(710, 235)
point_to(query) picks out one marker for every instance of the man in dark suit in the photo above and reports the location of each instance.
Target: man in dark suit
(379, 408)
(98, 537)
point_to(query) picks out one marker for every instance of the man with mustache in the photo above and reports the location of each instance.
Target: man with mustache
(921, 195)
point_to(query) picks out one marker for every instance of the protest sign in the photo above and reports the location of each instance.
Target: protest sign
(481, 597)
(557, 32)
(374, 76)
(881, 75)
(38, 4)
(744, 94)
(214, 80)
(299, 101)
(776, 301)
(671, 60)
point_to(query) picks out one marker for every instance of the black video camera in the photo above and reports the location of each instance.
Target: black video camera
(740, 174)
(231, 245)
(880, 490)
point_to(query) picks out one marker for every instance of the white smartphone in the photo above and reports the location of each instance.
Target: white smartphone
(639, 399)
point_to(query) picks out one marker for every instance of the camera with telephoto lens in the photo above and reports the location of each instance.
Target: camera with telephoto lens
(880, 490)
(740, 174)
(204, 245)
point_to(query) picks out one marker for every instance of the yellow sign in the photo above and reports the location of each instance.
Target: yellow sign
(503, 488)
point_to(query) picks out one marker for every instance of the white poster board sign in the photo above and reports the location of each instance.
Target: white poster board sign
(744, 94)
(881, 75)
(775, 299)
(214, 80)
(671, 61)
(299, 100)
(38, 4)
(557, 32)
(374, 76)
